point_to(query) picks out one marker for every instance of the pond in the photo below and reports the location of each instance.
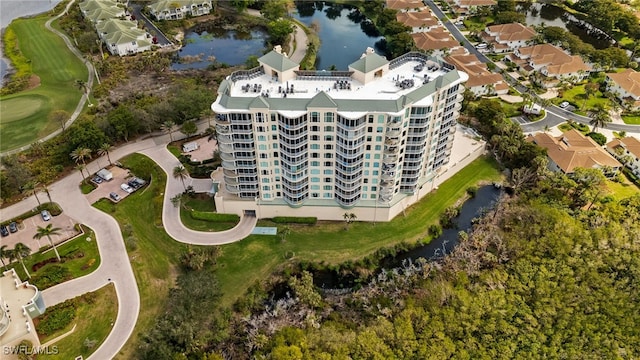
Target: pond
(204, 46)
(551, 15)
(344, 32)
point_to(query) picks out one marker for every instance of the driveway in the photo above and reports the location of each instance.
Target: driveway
(136, 9)
(106, 187)
(29, 228)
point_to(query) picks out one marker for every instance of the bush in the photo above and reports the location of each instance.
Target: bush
(295, 220)
(634, 179)
(435, 230)
(598, 138)
(56, 318)
(53, 275)
(472, 191)
(214, 217)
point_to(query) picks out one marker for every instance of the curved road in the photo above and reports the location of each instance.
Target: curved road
(115, 266)
(89, 83)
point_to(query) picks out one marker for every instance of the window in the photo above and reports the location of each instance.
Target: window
(275, 146)
(264, 164)
(380, 119)
(315, 187)
(262, 147)
(315, 137)
(315, 172)
(315, 117)
(263, 156)
(370, 129)
(327, 195)
(274, 127)
(315, 146)
(378, 147)
(378, 138)
(328, 128)
(260, 128)
(370, 119)
(327, 187)
(276, 162)
(328, 117)
(328, 146)
(315, 155)
(328, 138)
(315, 128)
(328, 163)
(315, 163)
(262, 138)
(315, 179)
(265, 180)
(315, 195)
(379, 129)
(327, 179)
(328, 156)
(274, 137)
(328, 172)
(367, 156)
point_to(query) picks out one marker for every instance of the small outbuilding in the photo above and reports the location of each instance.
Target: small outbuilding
(105, 174)
(189, 147)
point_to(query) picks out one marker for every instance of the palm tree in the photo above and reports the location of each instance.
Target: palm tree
(46, 190)
(599, 117)
(285, 232)
(104, 150)
(22, 251)
(81, 168)
(84, 87)
(5, 253)
(80, 155)
(179, 172)
(169, 127)
(48, 231)
(31, 188)
(589, 90)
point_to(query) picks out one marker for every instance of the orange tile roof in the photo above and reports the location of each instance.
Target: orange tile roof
(434, 39)
(404, 4)
(556, 60)
(629, 143)
(629, 80)
(469, 3)
(512, 32)
(423, 17)
(572, 150)
(478, 73)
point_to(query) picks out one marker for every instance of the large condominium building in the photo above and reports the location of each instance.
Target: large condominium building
(302, 143)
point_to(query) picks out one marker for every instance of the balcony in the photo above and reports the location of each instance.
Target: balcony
(225, 139)
(225, 147)
(392, 141)
(222, 120)
(229, 174)
(227, 156)
(230, 165)
(391, 149)
(234, 189)
(388, 175)
(223, 129)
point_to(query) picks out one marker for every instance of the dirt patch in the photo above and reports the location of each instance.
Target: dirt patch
(34, 82)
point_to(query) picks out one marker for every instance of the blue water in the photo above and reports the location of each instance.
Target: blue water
(229, 47)
(342, 39)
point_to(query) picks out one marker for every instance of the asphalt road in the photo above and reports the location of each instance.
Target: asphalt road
(152, 29)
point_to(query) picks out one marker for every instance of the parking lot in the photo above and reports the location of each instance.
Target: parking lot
(103, 189)
(29, 227)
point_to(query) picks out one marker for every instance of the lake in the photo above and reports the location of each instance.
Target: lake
(231, 47)
(344, 32)
(550, 15)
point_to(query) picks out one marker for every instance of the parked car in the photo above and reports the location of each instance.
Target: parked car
(46, 216)
(564, 104)
(4, 231)
(136, 183)
(13, 227)
(114, 196)
(126, 188)
(481, 46)
(97, 180)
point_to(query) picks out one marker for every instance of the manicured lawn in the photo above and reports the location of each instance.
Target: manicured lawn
(622, 190)
(155, 258)
(511, 110)
(476, 23)
(82, 258)
(254, 258)
(631, 119)
(25, 115)
(95, 315)
(204, 204)
(576, 96)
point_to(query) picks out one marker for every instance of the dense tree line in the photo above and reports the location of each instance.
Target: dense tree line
(609, 15)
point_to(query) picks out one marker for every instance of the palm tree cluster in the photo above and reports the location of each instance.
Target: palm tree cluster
(21, 251)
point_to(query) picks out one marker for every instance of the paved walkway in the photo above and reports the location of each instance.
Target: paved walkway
(89, 82)
(301, 41)
(115, 266)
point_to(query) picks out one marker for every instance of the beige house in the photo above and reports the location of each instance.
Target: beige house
(404, 5)
(481, 80)
(507, 37)
(438, 40)
(626, 86)
(465, 7)
(179, 9)
(573, 150)
(627, 151)
(550, 63)
(418, 21)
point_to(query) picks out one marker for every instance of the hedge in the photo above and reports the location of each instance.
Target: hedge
(294, 220)
(634, 179)
(53, 208)
(214, 217)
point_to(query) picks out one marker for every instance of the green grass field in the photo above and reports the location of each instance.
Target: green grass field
(205, 204)
(631, 119)
(25, 115)
(577, 96)
(622, 190)
(90, 324)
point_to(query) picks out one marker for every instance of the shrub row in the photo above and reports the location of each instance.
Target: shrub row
(634, 179)
(56, 318)
(54, 275)
(214, 217)
(53, 208)
(294, 220)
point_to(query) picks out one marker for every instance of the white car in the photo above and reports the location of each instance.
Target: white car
(126, 188)
(564, 104)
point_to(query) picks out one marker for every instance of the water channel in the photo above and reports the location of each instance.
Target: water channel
(551, 15)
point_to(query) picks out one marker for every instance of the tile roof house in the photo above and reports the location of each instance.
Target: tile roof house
(178, 9)
(626, 86)
(405, 5)
(437, 39)
(627, 151)
(507, 37)
(464, 7)
(552, 62)
(573, 150)
(122, 37)
(100, 10)
(481, 80)
(418, 21)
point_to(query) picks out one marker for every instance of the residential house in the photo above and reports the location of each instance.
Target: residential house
(405, 5)
(573, 150)
(550, 64)
(437, 40)
(627, 151)
(122, 37)
(100, 10)
(626, 86)
(507, 37)
(179, 9)
(481, 80)
(466, 7)
(418, 21)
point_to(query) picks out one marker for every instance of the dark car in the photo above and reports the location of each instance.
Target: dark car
(4, 231)
(114, 196)
(13, 227)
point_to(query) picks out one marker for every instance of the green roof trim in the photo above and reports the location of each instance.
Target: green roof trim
(277, 61)
(259, 103)
(369, 63)
(322, 100)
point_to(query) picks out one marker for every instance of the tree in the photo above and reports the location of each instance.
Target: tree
(84, 87)
(589, 90)
(599, 117)
(104, 150)
(169, 127)
(5, 253)
(46, 191)
(242, 5)
(189, 128)
(279, 30)
(284, 232)
(21, 251)
(48, 231)
(179, 172)
(60, 117)
(275, 9)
